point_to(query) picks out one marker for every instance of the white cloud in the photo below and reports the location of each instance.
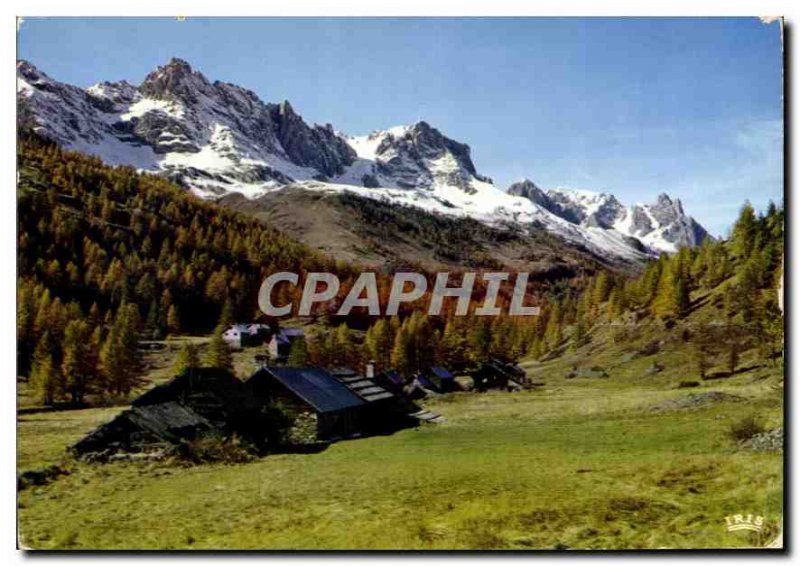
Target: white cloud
(752, 171)
(762, 140)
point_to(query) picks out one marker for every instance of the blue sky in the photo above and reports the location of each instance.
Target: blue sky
(636, 107)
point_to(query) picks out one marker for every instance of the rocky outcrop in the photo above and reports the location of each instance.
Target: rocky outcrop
(216, 138)
(662, 226)
(176, 81)
(57, 111)
(771, 441)
(318, 147)
(696, 400)
(421, 156)
(235, 137)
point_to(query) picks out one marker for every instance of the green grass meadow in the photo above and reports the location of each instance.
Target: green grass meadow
(578, 463)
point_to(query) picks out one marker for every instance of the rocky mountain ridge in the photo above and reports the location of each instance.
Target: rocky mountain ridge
(215, 139)
(662, 225)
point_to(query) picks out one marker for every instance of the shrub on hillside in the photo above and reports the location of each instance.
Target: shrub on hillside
(213, 448)
(746, 428)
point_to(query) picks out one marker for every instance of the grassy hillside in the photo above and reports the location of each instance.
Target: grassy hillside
(380, 234)
(607, 453)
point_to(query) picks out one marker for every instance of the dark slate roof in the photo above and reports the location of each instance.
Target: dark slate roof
(341, 372)
(426, 383)
(167, 419)
(500, 367)
(394, 377)
(218, 383)
(364, 387)
(511, 372)
(511, 368)
(441, 373)
(286, 335)
(315, 386)
(289, 333)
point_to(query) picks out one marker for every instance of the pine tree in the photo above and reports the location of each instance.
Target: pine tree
(681, 291)
(733, 356)
(25, 328)
(536, 349)
(78, 363)
(587, 309)
(747, 291)
(187, 359)
(227, 317)
(399, 356)
(120, 359)
(518, 341)
(370, 347)
(24, 313)
(45, 378)
(41, 320)
(218, 353)
(94, 318)
(298, 353)
(664, 304)
(422, 346)
(378, 344)
(152, 323)
(501, 340)
(343, 350)
(479, 341)
(173, 320)
(602, 287)
(452, 350)
(318, 345)
(701, 360)
(672, 294)
(616, 305)
(744, 232)
(579, 334)
(552, 333)
(95, 345)
(648, 284)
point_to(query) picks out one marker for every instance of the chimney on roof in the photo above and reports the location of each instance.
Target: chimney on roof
(370, 369)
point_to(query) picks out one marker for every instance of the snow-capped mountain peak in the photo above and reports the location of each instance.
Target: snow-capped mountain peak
(416, 156)
(215, 138)
(662, 226)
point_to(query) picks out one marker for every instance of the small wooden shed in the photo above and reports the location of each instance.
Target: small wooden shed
(496, 374)
(318, 406)
(196, 403)
(391, 380)
(281, 343)
(439, 380)
(384, 410)
(146, 428)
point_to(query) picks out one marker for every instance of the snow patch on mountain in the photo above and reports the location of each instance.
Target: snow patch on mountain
(217, 138)
(662, 226)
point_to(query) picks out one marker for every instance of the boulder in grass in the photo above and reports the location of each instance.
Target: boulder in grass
(593, 372)
(654, 368)
(42, 476)
(695, 400)
(771, 441)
